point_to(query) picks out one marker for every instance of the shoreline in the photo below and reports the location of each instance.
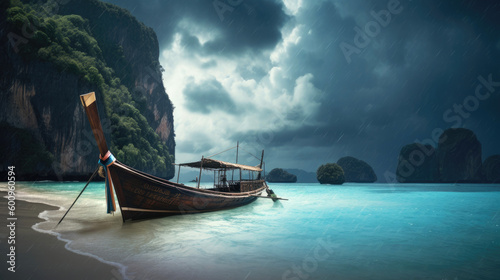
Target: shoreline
(42, 255)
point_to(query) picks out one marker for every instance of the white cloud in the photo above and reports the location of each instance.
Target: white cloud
(292, 6)
(306, 95)
(291, 37)
(203, 33)
(273, 102)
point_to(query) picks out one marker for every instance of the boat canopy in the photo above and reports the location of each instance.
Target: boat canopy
(213, 164)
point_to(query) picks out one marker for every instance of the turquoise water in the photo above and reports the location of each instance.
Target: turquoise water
(353, 231)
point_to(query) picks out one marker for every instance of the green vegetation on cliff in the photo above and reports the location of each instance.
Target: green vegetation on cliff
(70, 44)
(65, 41)
(356, 170)
(330, 173)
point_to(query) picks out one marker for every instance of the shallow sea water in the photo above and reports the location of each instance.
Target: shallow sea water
(353, 231)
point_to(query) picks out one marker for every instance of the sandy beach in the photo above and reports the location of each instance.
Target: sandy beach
(43, 256)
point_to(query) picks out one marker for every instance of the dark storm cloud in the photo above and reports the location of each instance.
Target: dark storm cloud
(427, 58)
(392, 90)
(208, 96)
(396, 91)
(242, 25)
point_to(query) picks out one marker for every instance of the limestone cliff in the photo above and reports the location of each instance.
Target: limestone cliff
(456, 159)
(417, 163)
(459, 156)
(132, 50)
(491, 169)
(49, 59)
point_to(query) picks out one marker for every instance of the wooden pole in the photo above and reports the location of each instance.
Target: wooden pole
(201, 168)
(237, 149)
(261, 161)
(89, 103)
(178, 173)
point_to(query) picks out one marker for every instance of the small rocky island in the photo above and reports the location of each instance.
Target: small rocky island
(278, 175)
(356, 170)
(330, 173)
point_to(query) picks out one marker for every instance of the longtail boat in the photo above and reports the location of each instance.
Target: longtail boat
(143, 196)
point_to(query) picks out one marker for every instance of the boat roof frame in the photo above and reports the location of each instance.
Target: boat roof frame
(213, 164)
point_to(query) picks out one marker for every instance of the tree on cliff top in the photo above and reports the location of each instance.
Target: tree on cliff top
(330, 173)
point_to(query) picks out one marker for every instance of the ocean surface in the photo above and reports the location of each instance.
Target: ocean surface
(353, 231)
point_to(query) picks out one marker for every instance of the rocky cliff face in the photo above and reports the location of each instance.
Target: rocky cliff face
(356, 170)
(459, 156)
(39, 99)
(456, 159)
(132, 50)
(417, 163)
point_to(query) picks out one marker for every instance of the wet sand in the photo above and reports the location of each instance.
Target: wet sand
(43, 256)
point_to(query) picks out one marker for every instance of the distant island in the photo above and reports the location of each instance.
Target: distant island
(457, 158)
(302, 175)
(330, 173)
(347, 169)
(278, 175)
(356, 170)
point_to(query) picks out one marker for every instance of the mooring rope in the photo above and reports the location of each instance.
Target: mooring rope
(250, 153)
(221, 152)
(91, 177)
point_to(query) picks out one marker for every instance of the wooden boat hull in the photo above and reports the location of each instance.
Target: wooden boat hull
(143, 196)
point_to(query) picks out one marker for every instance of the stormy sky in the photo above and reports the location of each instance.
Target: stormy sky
(313, 81)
